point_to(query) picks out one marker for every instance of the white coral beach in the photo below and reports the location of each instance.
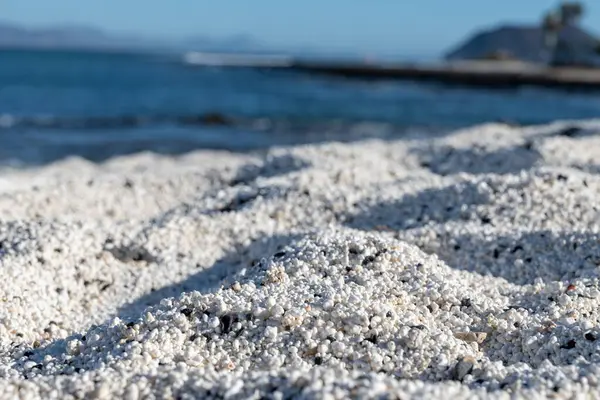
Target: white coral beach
(460, 266)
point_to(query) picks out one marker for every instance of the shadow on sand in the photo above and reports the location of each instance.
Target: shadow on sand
(448, 160)
(205, 281)
(211, 279)
(521, 259)
(270, 167)
(437, 205)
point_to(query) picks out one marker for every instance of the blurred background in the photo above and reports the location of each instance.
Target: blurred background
(113, 77)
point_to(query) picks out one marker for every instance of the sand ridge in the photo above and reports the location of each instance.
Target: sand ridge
(462, 265)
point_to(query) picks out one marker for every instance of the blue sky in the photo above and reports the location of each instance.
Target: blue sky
(378, 26)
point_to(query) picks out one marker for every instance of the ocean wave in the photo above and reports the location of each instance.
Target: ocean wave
(285, 125)
(34, 140)
(8, 121)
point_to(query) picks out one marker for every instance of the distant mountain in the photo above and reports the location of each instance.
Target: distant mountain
(246, 44)
(86, 38)
(66, 37)
(73, 37)
(522, 42)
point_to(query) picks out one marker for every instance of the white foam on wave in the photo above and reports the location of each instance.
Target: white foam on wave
(236, 60)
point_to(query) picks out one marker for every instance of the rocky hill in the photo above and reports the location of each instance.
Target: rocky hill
(521, 42)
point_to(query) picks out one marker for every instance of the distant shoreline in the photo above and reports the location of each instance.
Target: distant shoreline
(487, 74)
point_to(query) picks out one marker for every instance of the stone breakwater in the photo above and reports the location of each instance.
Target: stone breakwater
(463, 266)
